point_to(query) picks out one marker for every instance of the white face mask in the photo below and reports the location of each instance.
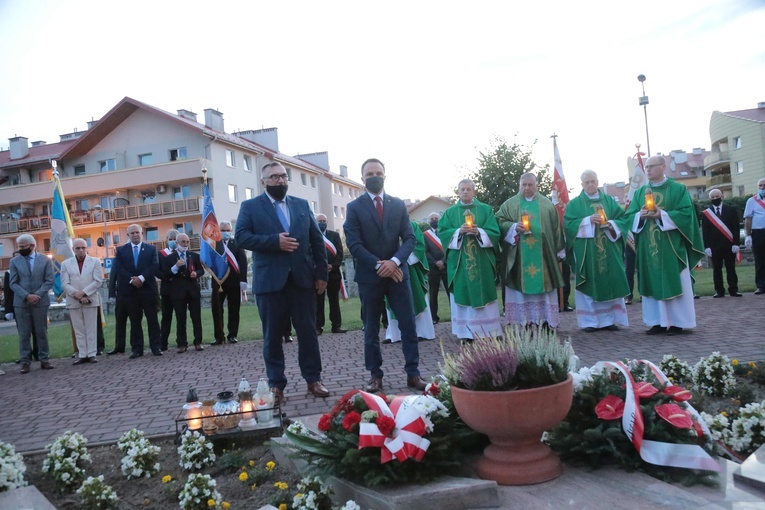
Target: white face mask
(182, 249)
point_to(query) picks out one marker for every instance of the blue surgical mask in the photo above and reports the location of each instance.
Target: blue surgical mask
(761, 193)
(171, 245)
(226, 236)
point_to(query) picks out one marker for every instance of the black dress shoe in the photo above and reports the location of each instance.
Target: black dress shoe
(80, 361)
(656, 330)
(115, 351)
(134, 355)
(287, 339)
(217, 342)
(157, 352)
(183, 349)
(567, 309)
(612, 327)
(759, 291)
(198, 347)
(232, 340)
(92, 360)
(98, 353)
(590, 329)
(374, 385)
(735, 294)
(674, 330)
(628, 300)
(718, 295)
(386, 341)
(339, 330)
(319, 331)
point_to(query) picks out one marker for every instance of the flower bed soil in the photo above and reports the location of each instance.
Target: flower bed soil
(151, 493)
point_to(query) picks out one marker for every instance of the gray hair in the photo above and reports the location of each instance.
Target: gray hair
(711, 190)
(463, 181)
(172, 233)
(225, 223)
(528, 174)
(27, 238)
(588, 173)
(435, 213)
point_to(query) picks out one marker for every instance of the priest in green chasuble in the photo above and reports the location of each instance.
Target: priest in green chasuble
(667, 245)
(532, 246)
(595, 252)
(470, 236)
(418, 282)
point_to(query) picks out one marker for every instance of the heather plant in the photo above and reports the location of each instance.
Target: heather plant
(483, 365)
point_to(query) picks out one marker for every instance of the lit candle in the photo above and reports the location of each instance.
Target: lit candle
(649, 203)
(526, 223)
(469, 218)
(195, 418)
(602, 214)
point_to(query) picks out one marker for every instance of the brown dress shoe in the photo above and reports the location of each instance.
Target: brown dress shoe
(46, 366)
(374, 385)
(182, 349)
(416, 382)
(198, 347)
(24, 368)
(278, 396)
(317, 389)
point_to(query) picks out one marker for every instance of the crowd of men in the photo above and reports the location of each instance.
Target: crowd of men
(470, 249)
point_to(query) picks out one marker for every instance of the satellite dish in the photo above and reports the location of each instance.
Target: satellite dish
(100, 241)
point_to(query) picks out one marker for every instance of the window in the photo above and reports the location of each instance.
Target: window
(152, 234)
(79, 169)
(737, 142)
(104, 202)
(303, 179)
(87, 239)
(289, 174)
(334, 188)
(230, 158)
(313, 181)
(115, 239)
(179, 153)
(145, 159)
(107, 165)
(249, 193)
(314, 206)
(45, 175)
(340, 190)
(739, 167)
(181, 192)
(741, 191)
(247, 163)
(81, 205)
(185, 228)
(336, 211)
(342, 212)
(232, 193)
(46, 244)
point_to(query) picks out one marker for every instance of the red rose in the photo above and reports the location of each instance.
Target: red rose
(678, 393)
(386, 425)
(325, 422)
(675, 415)
(610, 408)
(645, 390)
(433, 389)
(350, 420)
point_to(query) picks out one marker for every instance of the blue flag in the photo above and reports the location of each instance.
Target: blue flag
(61, 234)
(215, 263)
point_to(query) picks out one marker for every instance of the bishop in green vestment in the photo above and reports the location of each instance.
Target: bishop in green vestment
(531, 250)
(470, 236)
(418, 282)
(595, 252)
(667, 246)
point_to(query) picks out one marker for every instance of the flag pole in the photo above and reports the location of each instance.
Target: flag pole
(561, 305)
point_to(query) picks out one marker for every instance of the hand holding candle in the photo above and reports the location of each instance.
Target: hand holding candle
(526, 223)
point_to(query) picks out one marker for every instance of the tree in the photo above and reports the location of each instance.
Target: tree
(500, 169)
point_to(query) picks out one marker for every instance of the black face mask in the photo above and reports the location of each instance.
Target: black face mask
(278, 192)
(25, 252)
(434, 224)
(374, 184)
(322, 226)
(716, 201)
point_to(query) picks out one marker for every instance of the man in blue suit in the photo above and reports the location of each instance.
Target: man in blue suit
(137, 265)
(380, 237)
(289, 268)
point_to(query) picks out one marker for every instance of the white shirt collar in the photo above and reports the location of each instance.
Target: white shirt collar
(372, 195)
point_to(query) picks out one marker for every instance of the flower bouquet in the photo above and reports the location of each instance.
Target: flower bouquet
(374, 439)
(12, 468)
(630, 414)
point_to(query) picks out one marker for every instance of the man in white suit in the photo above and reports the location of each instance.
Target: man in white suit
(81, 277)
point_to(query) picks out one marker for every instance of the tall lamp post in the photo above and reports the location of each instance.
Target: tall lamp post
(106, 234)
(644, 104)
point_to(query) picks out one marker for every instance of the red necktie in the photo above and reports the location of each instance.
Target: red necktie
(378, 206)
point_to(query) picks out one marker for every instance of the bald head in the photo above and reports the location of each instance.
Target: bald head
(80, 247)
(654, 169)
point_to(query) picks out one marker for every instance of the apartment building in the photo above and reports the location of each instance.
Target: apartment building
(140, 164)
(737, 160)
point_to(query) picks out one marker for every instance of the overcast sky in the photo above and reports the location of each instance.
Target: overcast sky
(421, 85)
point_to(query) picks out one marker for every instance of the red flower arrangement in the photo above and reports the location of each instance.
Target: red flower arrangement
(351, 420)
(610, 408)
(386, 425)
(674, 414)
(678, 393)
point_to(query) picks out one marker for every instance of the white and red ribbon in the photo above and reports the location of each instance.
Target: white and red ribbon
(406, 441)
(330, 246)
(434, 238)
(717, 222)
(689, 456)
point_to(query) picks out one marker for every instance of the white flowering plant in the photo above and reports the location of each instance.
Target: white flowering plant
(141, 457)
(67, 458)
(195, 452)
(679, 372)
(714, 375)
(744, 432)
(12, 468)
(97, 495)
(311, 494)
(199, 493)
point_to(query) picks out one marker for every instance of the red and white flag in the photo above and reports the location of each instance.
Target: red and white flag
(637, 178)
(559, 189)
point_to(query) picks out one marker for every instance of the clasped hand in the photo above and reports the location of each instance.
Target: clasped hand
(389, 269)
(287, 243)
(655, 214)
(466, 229)
(136, 282)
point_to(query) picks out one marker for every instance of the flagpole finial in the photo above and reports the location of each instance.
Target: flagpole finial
(54, 164)
(554, 136)
(637, 146)
(204, 172)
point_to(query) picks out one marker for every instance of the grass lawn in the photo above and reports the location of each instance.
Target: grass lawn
(60, 339)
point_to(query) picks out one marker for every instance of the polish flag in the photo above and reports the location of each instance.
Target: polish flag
(559, 189)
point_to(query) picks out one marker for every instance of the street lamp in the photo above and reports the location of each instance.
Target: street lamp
(644, 104)
(106, 234)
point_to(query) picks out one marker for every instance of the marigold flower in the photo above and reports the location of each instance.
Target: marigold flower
(243, 477)
(351, 420)
(724, 414)
(211, 503)
(752, 364)
(225, 505)
(283, 506)
(734, 362)
(252, 463)
(610, 408)
(325, 422)
(254, 486)
(280, 485)
(166, 479)
(270, 466)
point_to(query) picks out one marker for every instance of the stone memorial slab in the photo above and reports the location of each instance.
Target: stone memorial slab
(25, 498)
(752, 470)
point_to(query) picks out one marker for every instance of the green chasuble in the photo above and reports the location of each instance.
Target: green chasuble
(531, 265)
(660, 255)
(418, 274)
(471, 270)
(598, 262)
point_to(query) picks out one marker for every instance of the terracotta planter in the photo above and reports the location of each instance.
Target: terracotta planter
(514, 422)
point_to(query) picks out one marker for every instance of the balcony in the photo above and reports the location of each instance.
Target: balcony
(127, 213)
(722, 181)
(716, 160)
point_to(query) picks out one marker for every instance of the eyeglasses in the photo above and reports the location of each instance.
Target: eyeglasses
(277, 178)
(651, 166)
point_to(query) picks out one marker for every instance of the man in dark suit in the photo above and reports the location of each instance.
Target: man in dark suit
(165, 301)
(289, 268)
(137, 265)
(182, 268)
(380, 237)
(31, 278)
(334, 247)
(722, 237)
(434, 251)
(120, 315)
(231, 289)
